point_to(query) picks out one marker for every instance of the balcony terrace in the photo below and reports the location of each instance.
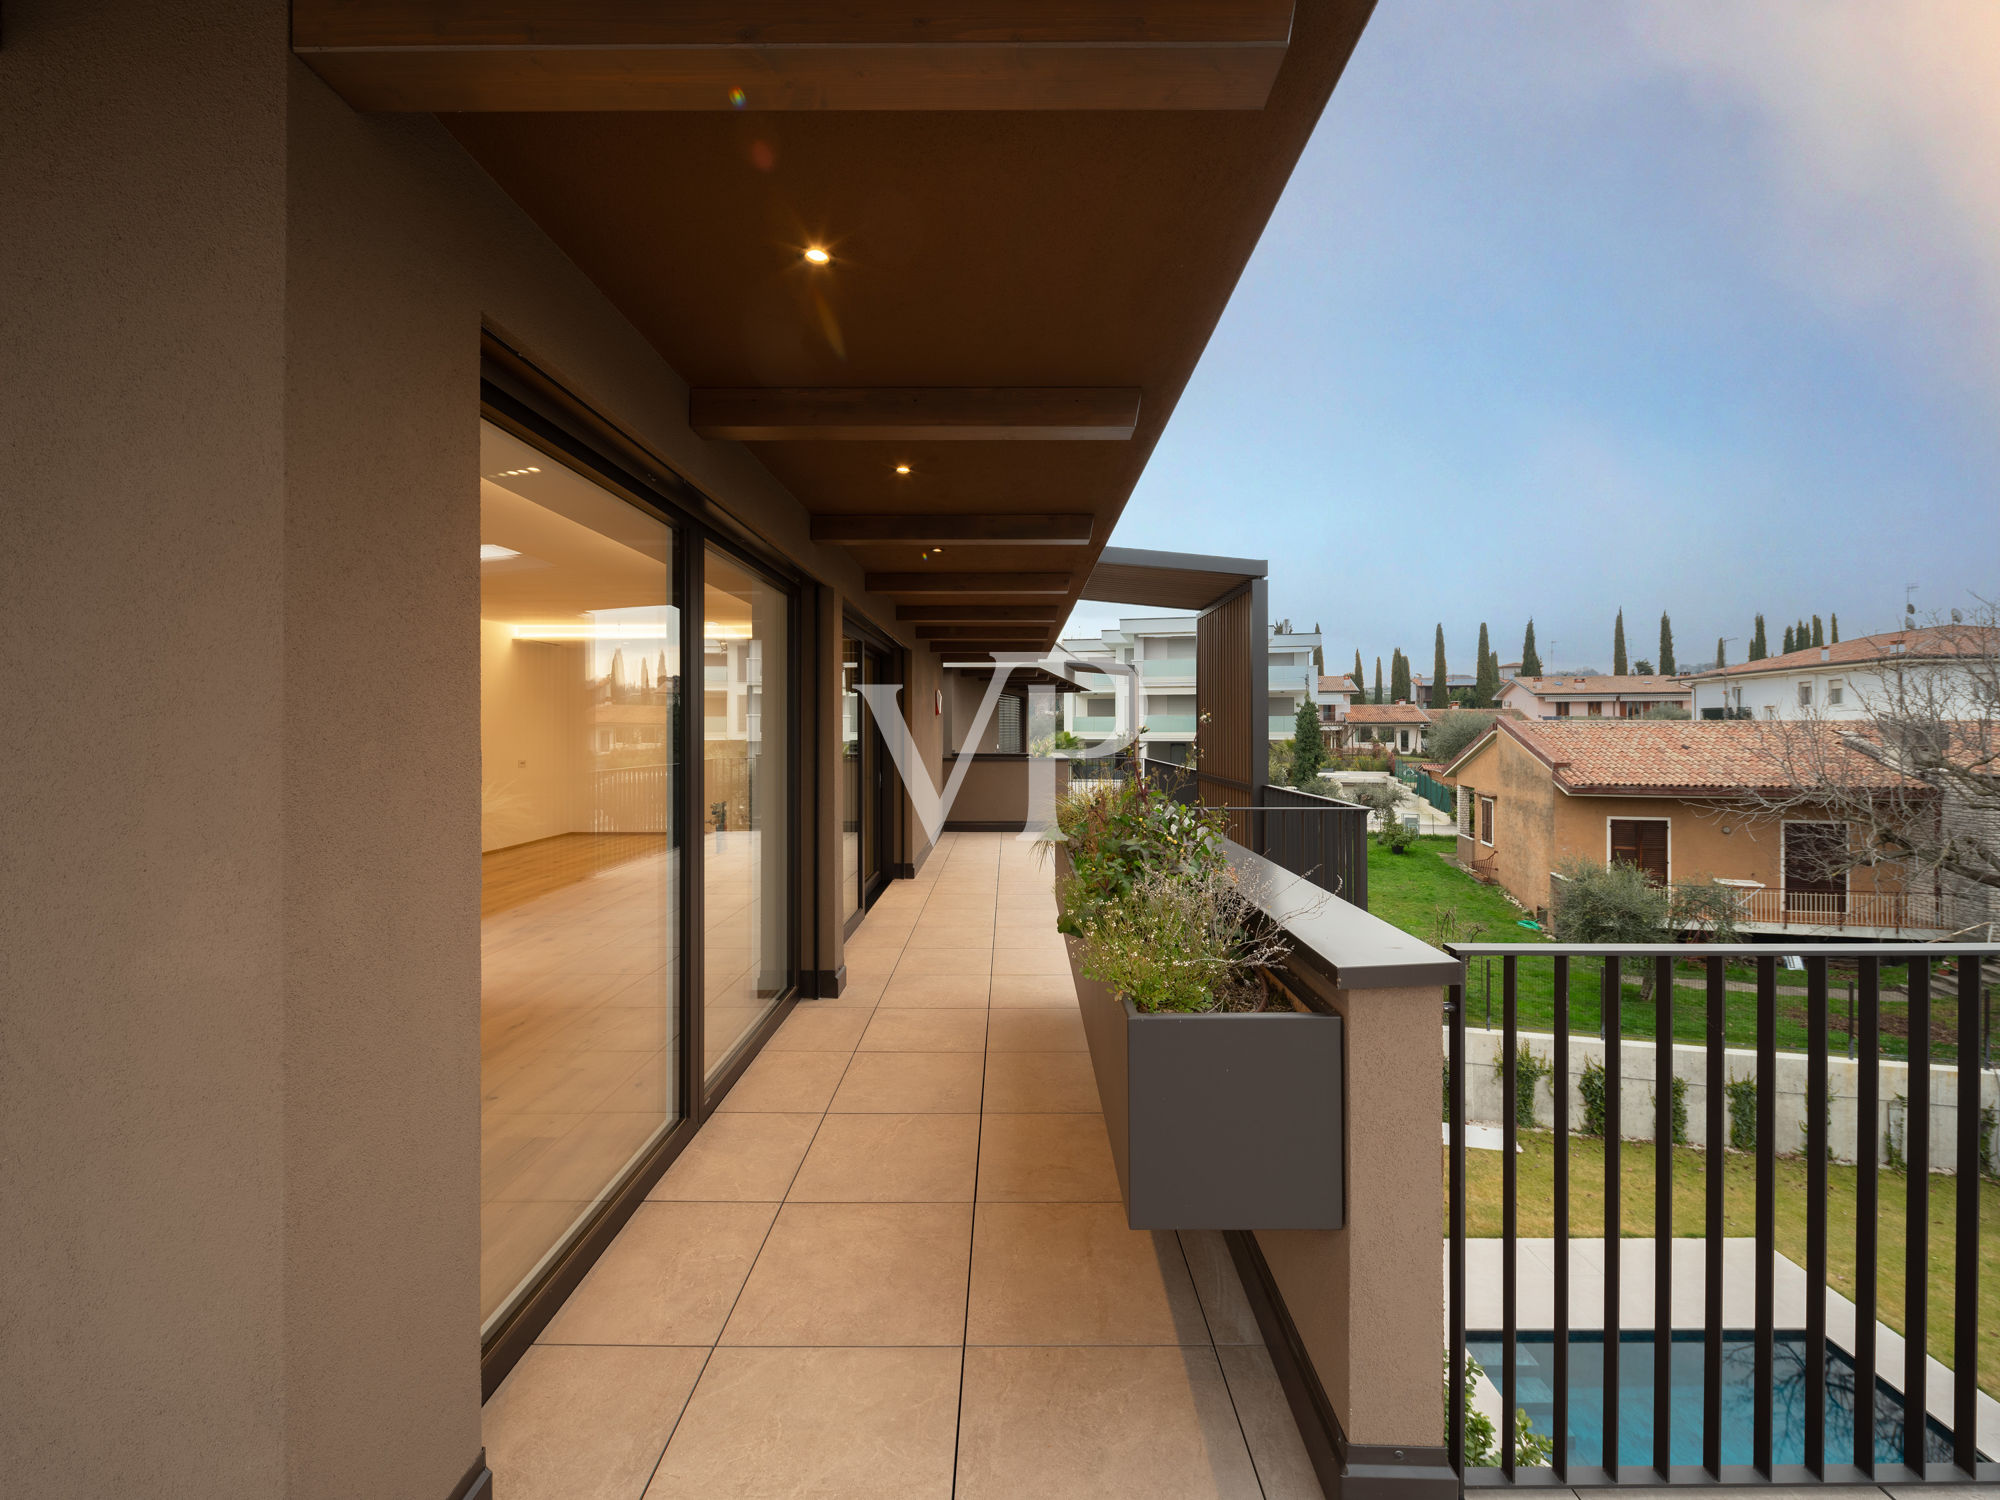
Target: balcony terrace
(895, 1262)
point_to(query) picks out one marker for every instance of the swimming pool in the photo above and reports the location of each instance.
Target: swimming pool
(1535, 1392)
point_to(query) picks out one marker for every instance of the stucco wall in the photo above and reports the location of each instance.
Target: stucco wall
(239, 1101)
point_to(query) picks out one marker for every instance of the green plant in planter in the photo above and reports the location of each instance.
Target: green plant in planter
(1118, 835)
(1182, 940)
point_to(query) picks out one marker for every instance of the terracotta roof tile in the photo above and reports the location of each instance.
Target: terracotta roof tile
(1387, 713)
(1677, 755)
(1336, 684)
(1929, 642)
(1606, 685)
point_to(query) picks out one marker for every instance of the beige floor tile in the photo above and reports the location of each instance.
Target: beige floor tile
(1035, 1030)
(953, 932)
(1230, 1320)
(1283, 1468)
(906, 1030)
(936, 992)
(670, 1277)
(1046, 1159)
(830, 1424)
(1038, 957)
(739, 1158)
(858, 991)
(1099, 1424)
(857, 1274)
(1011, 930)
(786, 1083)
(811, 1029)
(1072, 1273)
(959, 959)
(1040, 1083)
(910, 1083)
(926, 1158)
(1033, 991)
(586, 1423)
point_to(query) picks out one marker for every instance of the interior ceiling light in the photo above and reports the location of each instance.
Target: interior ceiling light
(493, 552)
(817, 255)
(510, 473)
(902, 468)
(579, 630)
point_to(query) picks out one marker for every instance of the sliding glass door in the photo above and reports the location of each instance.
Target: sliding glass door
(580, 715)
(747, 813)
(864, 780)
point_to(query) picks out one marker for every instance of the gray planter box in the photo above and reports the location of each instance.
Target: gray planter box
(1218, 1121)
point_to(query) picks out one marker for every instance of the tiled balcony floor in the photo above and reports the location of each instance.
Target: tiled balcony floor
(895, 1265)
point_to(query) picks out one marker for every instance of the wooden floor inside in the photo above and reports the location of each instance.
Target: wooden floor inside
(524, 872)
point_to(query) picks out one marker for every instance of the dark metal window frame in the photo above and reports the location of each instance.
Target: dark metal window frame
(520, 400)
(865, 631)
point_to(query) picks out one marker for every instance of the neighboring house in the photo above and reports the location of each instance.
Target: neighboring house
(1841, 680)
(1421, 691)
(1160, 699)
(1335, 695)
(1581, 697)
(1531, 795)
(1384, 726)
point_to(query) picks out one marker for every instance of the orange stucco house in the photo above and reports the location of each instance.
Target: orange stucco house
(1669, 796)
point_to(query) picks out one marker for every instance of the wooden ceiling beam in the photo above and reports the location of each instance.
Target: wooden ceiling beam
(581, 55)
(928, 414)
(948, 614)
(940, 582)
(1028, 633)
(968, 531)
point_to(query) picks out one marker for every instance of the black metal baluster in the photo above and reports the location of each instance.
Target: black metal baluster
(1868, 1117)
(1559, 1088)
(1965, 1279)
(1717, 1134)
(1767, 1107)
(1917, 1220)
(1509, 1244)
(1816, 1149)
(1455, 1399)
(1614, 1074)
(1663, 1215)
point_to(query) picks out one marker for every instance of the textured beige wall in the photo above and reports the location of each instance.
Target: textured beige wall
(142, 181)
(1368, 1299)
(239, 1096)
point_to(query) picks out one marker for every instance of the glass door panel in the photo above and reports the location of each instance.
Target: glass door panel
(852, 805)
(579, 651)
(746, 811)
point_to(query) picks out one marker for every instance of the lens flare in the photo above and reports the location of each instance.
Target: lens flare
(816, 255)
(737, 99)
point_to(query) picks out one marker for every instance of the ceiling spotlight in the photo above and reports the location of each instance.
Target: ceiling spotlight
(816, 255)
(902, 468)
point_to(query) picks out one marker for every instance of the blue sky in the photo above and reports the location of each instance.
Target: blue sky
(1591, 304)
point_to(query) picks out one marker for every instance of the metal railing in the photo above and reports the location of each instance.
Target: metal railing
(1319, 838)
(1874, 909)
(1924, 1449)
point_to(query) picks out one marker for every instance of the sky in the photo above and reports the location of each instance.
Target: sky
(1682, 305)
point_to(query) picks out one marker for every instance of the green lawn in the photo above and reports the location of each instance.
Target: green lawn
(1430, 897)
(1535, 1219)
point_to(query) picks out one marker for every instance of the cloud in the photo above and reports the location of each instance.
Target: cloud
(1878, 126)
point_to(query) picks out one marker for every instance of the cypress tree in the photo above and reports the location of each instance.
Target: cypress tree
(1378, 679)
(1399, 679)
(1308, 749)
(1360, 677)
(1758, 649)
(1799, 638)
(1488, 682)
(1618, 646)
(1819, 632)
(1440, 679)
(1319, 659)
(1721, 652)
(1531, 659)
(1786, 650)
(1833, 630)
(1666, 645)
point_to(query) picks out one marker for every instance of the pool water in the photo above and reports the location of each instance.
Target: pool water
(1535, 1392)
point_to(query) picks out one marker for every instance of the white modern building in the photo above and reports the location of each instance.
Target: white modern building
(1157, 699)
(1841, 680)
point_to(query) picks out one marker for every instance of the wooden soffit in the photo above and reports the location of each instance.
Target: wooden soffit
(726, 55)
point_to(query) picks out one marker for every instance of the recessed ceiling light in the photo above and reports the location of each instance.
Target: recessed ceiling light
(491, 552)
(902, 468)
(816, 255)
